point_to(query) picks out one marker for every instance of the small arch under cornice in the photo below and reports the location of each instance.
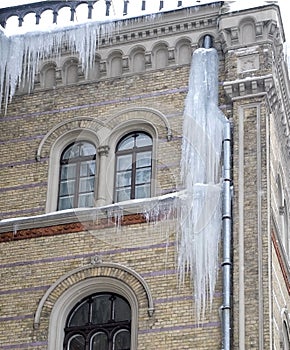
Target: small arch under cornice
(97, 268)
(77, 123)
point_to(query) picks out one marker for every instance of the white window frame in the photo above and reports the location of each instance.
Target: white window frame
(54, 163)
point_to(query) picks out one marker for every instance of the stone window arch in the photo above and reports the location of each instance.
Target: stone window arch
(115, 64)
(56, 152)
(48, 75)
(160, 56)
(183, 51)
(137, 59)
(70, 71)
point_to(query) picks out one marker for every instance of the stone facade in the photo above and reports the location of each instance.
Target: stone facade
(50, 260)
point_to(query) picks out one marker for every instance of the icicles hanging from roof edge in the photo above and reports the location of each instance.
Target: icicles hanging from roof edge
(201, 207)
(20, 55)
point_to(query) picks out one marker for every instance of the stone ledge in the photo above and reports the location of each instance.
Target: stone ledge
(78, 220)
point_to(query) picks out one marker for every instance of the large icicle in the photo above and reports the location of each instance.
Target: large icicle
(201, 219)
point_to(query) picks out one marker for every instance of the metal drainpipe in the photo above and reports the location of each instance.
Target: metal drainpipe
(227, 237)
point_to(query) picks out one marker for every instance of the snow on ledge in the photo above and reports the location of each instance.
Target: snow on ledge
(143, 206)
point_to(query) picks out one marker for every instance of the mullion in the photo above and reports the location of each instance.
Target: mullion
(133, 177)
(77, 184)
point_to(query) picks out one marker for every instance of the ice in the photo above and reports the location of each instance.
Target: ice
(198, 207)
(200, 212)
(21, 54)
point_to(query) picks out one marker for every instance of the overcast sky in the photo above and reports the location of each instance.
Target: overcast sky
(134, 7)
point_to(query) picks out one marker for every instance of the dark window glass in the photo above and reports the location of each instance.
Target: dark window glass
(77, 176)
(99, 322)
(133, 167)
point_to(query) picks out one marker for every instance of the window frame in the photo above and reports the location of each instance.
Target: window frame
(68, 299)
(78, 162)
(111, 328)
(56, 151)
(132, 151)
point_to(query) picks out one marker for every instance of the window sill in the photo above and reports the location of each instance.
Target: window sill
(148, 208)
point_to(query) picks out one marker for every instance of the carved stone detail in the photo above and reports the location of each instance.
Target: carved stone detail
(248, 63)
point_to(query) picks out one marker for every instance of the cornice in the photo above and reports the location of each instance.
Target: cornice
(248, 87)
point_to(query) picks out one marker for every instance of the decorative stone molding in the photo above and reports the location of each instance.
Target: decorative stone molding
(282, 210)
(248, 63)
(248, 86)
(98, 269)
(78, 124)
(103, 150)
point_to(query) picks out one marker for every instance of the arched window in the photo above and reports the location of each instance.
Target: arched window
(77, 176)
(133, 167)
(100, 321)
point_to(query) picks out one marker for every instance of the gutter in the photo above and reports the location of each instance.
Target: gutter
(227, 238)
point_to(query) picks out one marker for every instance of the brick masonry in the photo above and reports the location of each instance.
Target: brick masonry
(34, 257)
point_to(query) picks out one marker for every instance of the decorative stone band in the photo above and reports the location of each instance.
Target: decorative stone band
(70, 227)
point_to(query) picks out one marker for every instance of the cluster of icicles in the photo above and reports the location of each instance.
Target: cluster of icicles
(198, 207)
(20, 55)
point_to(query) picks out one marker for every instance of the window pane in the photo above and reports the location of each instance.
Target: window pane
(87, 168)
(143, 159)
(143, 140)
(87, 184)
(143, 176)
(77, 342)
(68, 171)
(87, 149)
(123, 194)
(101, 312)
(122, 340)
(99, 342)
(124, 179)
(80, 316)
(71, 152)
(86, 200)
(127, 143)
(122, 310)
(142, 191)
(67, 187)
(65, 202)
(124, 162)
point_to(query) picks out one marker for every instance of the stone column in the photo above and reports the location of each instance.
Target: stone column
(103, 152)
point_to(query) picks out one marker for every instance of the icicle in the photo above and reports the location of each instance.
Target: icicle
(117, 213)
(20, 55)
(200, 210)
(15, 228)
